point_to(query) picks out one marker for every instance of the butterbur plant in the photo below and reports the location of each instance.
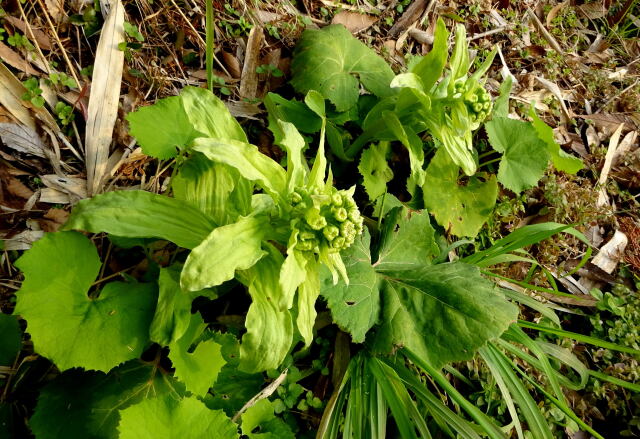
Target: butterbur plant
(239, 221)
(433, 110)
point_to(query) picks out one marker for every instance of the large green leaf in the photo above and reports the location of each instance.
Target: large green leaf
(407, 241)
(233, 388)
(525, 156)
(355, 307)
(442, 312)
(217, 190)
(460, 208)
(375, 170)
(139, 214)
(168, 418)
(228, 248)
(87, 404)
(173, 312)
(174, 122)
(249, 161)
(11, 340)
(93, 333)
(260, 422)
(269, 327)
(162, 128)
(334, 63)
(197, 369)
(209, 115)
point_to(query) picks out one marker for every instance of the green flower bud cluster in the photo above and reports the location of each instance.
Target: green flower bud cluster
(476, 98)
(325, 220)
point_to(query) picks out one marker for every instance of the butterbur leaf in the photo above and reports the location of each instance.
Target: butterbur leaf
(460, 208)
(407, 241)
(233, 388)
(139, 214)
(209, 115)
(216, 189)
(412, 142)
(260, 422)
(355, 307)
(375, 170)
(269, 328)
(249, 161)
(292, 111)
(334, 63)
(560, 159)
(173, 312)
(431, 66)
(93, 333)
(525, 156)
(170, 418)
(162, 128)
(87, 404)
(11, 339)
(197, 369)
(442, 312)
(227, 249)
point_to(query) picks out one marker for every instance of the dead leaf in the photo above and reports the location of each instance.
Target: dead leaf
(553, 13)
(22, 138)
(40, 37)
(592, 11)
(104, 97)
(410, 16)
(249, 78)
(11, 91)
(232, 63)
(14, 59)
(23, 240)
(75, 188)
(632, 254)
(53, 219)
(353, 21)
(56, 9)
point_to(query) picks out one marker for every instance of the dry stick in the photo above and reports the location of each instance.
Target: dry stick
(264, 393)
(616, 96)
(543, 30)
(33, 37)
(59, 43)
(199, 37)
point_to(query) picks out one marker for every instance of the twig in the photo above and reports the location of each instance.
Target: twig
(59, 43)
(543, 30)
(264, 393)
(487, 33)
(616, 96)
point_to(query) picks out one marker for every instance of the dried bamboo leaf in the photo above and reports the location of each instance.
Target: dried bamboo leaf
(104, 97)
(22, 138)
(11, 91)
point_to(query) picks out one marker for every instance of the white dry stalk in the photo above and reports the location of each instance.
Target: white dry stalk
(603, 199)
(104, 97)
(264, 393)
